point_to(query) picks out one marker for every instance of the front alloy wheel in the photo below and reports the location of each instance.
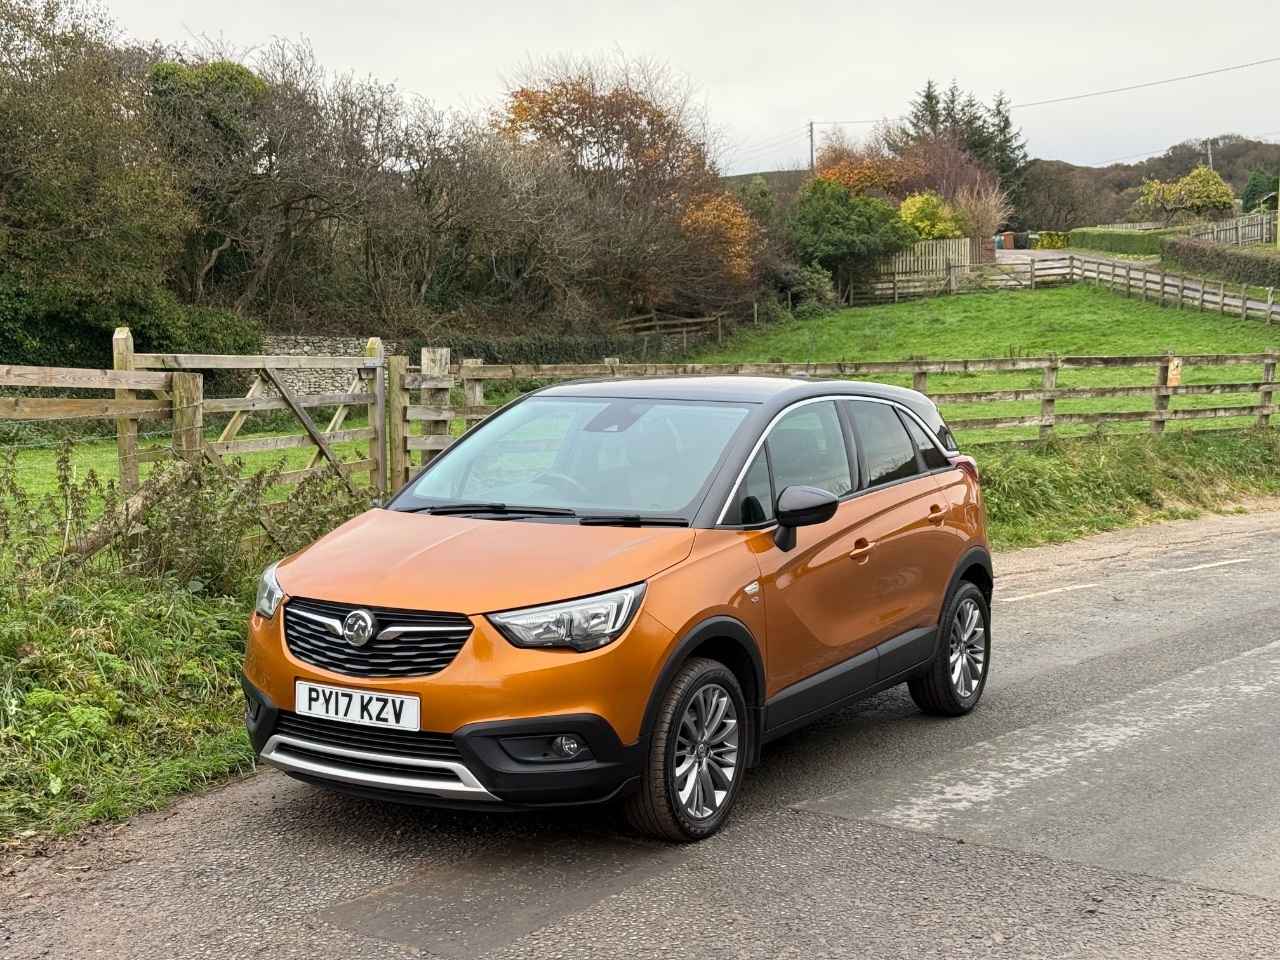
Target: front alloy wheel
(696, 756)
(706, 759)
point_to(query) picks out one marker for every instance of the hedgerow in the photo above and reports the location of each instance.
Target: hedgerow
(1259, 266)
(1142, 242)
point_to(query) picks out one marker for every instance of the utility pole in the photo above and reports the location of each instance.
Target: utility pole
(811, 164)
(1209, 143)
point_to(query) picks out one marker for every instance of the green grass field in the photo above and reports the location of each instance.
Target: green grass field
(1075, 320)
(38, 454)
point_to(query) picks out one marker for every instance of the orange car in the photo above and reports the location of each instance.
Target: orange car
(621, 590)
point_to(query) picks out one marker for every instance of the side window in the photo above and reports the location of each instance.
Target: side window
(933, 457)
(886, 447)
(807, 447)
(753, 501)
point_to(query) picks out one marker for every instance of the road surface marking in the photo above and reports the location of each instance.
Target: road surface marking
(1045, 593)
(1206, 566)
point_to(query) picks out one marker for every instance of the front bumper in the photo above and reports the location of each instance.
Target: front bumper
(486, 765)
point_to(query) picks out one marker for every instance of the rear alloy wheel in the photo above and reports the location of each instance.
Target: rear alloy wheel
(696, 757)
(956, 677)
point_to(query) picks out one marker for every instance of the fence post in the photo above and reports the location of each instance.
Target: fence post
(126, 430)
(1244, 301)
(1222, 298)
(1162, 398)
(378, 417)
(1048, 401)
(1033, 273)
(472, 388)
(895, 286)
(1266, 395)
(398, 423)
(1271, 299)
(435, 363)
(1200, 303)
(1162, 283)
(188, 416)
(1128, 281)
(920, 379)
(1145, 281)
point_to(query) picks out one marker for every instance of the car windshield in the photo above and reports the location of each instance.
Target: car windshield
(594, 456)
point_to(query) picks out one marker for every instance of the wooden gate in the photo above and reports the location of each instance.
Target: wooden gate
(269, 389)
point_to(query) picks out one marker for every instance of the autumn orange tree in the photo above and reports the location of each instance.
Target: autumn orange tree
(659, 227)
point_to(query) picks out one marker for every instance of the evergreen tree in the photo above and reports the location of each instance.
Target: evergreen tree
(925, 114)
(1260, 191)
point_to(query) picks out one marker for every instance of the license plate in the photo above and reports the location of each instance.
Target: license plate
(356, 706)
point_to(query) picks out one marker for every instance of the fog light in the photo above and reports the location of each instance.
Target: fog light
(566, 747)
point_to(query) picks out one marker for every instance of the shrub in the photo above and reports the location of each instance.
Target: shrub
(1142, 242)
(54, 327)
(1051, 240)
(1022, 240)
(933, 217)
(1259, 266)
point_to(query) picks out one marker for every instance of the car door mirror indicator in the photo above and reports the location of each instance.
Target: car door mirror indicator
(801, 506)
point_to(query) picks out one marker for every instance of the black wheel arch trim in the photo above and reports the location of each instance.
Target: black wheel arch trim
(713, 628)
(979, 556)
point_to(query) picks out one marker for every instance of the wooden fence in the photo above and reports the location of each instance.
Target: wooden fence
(1142, 225)
(269, 390)
(1025, 275)
(930, 257)
(1241, 231)
(180, 403)
(427, 407)
(440, 420)
(1134, 279)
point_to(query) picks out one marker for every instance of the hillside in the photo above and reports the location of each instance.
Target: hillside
(1063, 195)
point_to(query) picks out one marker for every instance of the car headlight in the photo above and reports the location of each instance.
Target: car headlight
(269, 592)
(586, 624)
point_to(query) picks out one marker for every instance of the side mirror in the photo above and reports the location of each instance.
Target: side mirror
(800, 506)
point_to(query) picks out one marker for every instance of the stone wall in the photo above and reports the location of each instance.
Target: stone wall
(319, 381)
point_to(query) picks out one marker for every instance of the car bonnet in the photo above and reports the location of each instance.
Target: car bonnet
(408, 561)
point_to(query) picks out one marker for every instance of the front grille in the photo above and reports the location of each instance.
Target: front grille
(413, 654)
(419, 745)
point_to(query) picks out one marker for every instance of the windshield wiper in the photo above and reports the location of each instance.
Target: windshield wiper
(632, 520)
(447, 509)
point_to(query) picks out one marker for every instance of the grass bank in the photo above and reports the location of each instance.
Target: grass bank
(1078, 320)
(118, 675)
(1066, 489)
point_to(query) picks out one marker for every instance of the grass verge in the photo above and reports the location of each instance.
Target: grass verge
(118, 674)
(1062, 490)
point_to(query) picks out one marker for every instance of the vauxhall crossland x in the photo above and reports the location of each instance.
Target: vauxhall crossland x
(620, 590)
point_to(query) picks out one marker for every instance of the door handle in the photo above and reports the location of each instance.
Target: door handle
(861, 550)
(937, 514)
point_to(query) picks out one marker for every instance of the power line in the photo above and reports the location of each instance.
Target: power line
(1140, 86)
(766, 146)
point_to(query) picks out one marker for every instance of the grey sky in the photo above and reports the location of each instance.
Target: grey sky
(766, 69)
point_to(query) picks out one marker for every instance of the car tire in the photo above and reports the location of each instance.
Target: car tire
(697, 756)
(956, 677)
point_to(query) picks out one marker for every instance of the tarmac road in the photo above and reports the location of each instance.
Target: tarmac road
(1117, 795)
